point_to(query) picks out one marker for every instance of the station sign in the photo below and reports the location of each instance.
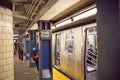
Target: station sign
(45, 34)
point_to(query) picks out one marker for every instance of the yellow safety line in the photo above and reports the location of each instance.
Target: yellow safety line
(59, 76)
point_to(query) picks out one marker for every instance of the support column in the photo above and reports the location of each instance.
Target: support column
(6, 41)
(32, 44)
(27, 46)
(108, 39)
(45, 50)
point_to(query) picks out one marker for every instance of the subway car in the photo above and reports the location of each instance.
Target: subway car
(74, 49)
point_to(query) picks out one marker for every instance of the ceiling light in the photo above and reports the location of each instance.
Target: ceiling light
(64, 22)
(85, 14)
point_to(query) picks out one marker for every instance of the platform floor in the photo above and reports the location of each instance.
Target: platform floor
(24, 72)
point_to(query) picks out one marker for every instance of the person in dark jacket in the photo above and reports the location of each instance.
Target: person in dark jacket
(20, 50)
(35, 57)
(15, 47)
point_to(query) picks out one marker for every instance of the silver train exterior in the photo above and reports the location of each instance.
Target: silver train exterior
(70, 61)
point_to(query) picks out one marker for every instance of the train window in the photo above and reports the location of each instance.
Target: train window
(58, 47)
(58, 43)
(69, 43)
(91, 30)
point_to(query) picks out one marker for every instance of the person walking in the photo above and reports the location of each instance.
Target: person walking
(15, 47)
(20, 50)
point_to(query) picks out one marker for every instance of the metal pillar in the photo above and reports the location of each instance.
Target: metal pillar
(108, 39)
(45, 50)
(32, 44)
(27, 37)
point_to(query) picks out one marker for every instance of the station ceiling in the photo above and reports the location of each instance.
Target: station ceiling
(27, 12)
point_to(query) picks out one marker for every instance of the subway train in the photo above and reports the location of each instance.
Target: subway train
(74, 50)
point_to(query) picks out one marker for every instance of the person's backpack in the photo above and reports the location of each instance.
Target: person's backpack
(35, 53)
(36, 56)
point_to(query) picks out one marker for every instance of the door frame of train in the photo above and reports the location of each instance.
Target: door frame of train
(56, 55)
(85, 34)
(85, 66)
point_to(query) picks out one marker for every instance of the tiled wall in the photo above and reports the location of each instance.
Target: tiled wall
(6, 44)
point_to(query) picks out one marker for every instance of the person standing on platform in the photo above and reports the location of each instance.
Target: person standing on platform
(20, 51)
(15, 47)
(35, 55)
(36, 58)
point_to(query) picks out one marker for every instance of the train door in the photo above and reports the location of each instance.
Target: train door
(57, 52)
(91, 54)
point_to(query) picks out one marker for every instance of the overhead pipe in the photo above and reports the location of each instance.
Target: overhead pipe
(30, 7)
(30, 10)
(33, 1)
(33, 6)
(41, 12)
(20, 16)
(36, 8)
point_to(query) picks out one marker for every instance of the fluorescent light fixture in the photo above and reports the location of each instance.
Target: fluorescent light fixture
(85, 14)
(53, 27)
(64, 22)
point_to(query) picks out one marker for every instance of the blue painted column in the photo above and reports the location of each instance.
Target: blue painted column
(45, 50)
(32, 44)
(27, 46)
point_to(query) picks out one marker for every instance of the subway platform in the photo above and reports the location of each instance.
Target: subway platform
(24, 72)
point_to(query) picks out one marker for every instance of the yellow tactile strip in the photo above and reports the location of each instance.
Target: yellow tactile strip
(59, 76)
